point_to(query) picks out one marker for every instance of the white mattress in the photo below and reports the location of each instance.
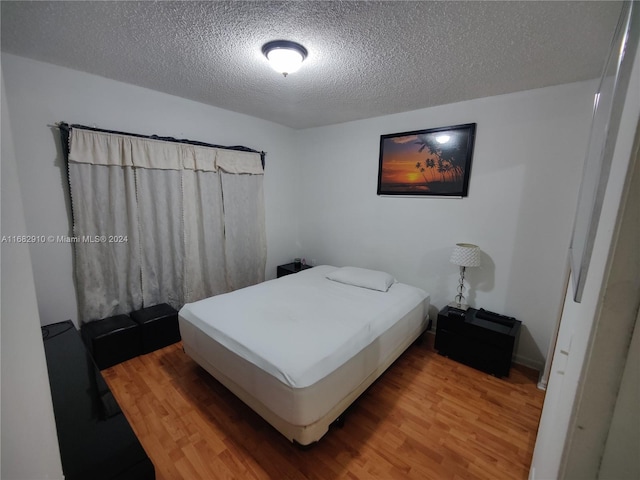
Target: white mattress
(300, 344)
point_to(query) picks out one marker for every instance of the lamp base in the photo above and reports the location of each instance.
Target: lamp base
(460, 306)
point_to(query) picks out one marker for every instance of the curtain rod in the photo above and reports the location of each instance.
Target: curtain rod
(67, 128)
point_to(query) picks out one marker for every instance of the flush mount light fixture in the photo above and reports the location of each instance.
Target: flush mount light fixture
(285, 56)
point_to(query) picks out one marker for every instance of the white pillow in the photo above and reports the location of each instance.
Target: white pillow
(362, 277)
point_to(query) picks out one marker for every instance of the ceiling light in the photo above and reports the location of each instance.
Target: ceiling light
(443, 138)
(285, 56)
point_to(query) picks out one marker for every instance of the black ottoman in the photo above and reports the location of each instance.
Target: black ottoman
(159, 326)
(112, 340)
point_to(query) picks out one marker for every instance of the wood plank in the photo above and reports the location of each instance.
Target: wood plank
(427, 417)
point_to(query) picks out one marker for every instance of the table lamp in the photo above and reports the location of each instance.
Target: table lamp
(464, 255)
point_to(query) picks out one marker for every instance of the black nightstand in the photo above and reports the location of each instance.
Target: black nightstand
(478, 338)
(290, 268)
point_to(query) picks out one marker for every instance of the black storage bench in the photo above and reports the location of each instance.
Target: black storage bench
(96, 441)
(159, 326)
(112, 340)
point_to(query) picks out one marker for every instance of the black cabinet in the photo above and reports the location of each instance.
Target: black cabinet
(477, 338)
(290, 268)
(96, 441)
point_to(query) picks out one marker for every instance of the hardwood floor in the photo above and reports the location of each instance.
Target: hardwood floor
(427, 417)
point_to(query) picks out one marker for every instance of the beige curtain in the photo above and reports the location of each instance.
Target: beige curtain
(157, 221)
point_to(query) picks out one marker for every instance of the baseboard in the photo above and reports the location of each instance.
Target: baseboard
(535, 365)
(528, 362)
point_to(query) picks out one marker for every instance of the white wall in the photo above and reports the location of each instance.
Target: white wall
(29, 440)
(40, 94)
(523, 191)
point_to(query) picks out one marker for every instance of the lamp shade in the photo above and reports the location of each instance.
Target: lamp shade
(465, 255)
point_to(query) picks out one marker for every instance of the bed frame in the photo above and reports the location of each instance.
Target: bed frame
(379, 355)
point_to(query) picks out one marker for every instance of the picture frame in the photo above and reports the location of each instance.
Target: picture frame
(435, 162)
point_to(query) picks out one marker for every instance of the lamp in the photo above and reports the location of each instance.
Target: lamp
(464, 255)
(285, 56)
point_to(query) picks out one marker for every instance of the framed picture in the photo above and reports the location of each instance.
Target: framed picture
(433, 162)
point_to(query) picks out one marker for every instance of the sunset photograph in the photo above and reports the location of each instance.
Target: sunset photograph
(426, 162)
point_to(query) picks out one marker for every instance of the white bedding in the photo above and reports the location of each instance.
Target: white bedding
(301, 333)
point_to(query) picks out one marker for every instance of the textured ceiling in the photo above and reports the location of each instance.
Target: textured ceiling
(365, 58)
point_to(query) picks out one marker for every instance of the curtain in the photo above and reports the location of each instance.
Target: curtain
(244, 227)
(160, 207)
(162, 222)
(107, 278)
(204, 235)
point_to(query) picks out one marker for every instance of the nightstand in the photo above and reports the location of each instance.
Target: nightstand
(290, 268)
(480, 339)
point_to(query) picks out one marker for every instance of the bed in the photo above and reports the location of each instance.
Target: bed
(300, 349)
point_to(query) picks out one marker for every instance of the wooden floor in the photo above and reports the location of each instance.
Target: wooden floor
(427, 417)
